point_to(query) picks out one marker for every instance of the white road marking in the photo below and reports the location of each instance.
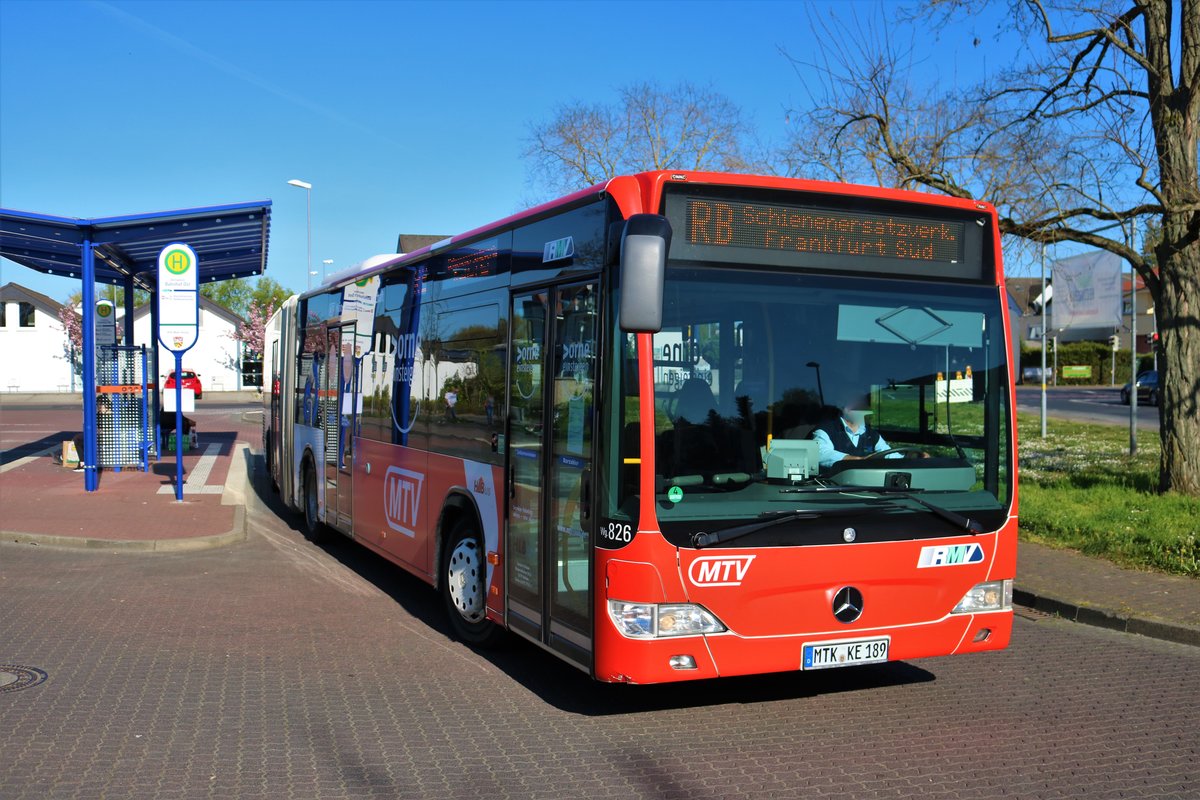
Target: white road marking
(198, 477)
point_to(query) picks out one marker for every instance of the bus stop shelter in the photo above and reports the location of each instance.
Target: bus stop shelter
(230, 241)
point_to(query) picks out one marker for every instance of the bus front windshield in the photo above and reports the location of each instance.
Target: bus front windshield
(781, 393)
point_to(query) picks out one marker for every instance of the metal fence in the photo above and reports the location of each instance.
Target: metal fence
(123, 430)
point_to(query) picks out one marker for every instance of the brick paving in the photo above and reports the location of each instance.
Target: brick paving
(272, 668)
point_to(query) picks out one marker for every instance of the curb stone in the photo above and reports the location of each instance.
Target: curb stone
(1143, 626)
(237, 533)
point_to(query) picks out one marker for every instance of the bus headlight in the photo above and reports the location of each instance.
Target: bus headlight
(648, 620)
(990, 596)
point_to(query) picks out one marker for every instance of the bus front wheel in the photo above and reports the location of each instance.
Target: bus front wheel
(464, 586)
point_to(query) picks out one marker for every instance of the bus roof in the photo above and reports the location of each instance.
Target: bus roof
(642, 193)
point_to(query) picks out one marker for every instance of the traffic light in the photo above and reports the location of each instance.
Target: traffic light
(1115, 341)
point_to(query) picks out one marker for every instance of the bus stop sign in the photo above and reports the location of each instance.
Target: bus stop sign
(178, 325)
(178, 297)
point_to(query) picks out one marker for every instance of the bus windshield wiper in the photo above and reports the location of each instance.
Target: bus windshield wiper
(701, 539)
(954, 518)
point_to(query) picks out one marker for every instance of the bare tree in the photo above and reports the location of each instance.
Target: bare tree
(683, 127)
(1094, 135)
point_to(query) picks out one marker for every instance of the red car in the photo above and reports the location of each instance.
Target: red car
(191, 380)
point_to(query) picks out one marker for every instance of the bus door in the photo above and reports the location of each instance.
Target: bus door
(341, 399)
(552, 375)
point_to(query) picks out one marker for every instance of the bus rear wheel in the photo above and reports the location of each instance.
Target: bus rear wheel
(269, 456)
(314, 529)
(464, 586)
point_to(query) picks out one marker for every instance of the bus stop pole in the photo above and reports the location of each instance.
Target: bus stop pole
(1133, 393)
(88, 456)
(156, 379)
(179, 427)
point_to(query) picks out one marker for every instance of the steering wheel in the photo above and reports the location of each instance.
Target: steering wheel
(882, 453)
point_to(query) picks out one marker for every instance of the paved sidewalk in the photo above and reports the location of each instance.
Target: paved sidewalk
(46, 504)
(1096, 592)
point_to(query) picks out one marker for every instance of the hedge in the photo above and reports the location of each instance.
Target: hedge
(1097, 355)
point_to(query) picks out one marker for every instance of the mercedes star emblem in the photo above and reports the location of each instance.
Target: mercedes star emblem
(847, 604)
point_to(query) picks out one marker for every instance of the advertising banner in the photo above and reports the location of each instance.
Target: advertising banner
(1087, 291)
(358, 305)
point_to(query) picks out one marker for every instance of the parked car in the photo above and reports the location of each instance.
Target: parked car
(1147, 388)
(1034, 374)
(191, 380)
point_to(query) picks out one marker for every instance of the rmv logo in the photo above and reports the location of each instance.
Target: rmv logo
(719, 570)
(402, 499)
(950, 555)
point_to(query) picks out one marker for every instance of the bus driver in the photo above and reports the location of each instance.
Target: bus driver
(848, 436)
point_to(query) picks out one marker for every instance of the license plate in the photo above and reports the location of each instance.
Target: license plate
(845, 653)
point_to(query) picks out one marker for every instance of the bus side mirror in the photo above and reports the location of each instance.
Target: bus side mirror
(644, 246)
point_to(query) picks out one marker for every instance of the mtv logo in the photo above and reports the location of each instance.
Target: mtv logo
(402, 499)
(719, 570)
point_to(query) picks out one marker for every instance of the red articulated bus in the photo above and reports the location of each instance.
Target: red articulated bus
(679, 425)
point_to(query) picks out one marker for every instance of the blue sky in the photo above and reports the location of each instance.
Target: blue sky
(405, 117)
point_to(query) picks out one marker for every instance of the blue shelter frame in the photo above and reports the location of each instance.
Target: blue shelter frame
(230, 242)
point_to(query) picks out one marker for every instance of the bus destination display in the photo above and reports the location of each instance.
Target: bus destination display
(822, 231)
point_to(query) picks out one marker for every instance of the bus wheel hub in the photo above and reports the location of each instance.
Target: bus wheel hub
(465, 582)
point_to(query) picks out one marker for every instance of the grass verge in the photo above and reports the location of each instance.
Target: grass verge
(1080, 489)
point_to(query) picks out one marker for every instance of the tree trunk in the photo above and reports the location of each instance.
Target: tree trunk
(1175, 119)
(1179, 372)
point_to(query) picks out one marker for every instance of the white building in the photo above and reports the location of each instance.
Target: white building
(34, 345)
(33, 342)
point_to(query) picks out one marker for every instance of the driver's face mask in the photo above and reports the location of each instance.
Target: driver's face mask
(855, 417)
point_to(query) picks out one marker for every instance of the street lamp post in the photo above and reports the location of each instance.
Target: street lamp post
(307, 187)
(1133, 398)
(1043, 371)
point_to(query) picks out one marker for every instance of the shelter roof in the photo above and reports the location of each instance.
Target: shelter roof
(230, 242)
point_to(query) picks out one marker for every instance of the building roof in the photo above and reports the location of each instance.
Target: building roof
(16, 293)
